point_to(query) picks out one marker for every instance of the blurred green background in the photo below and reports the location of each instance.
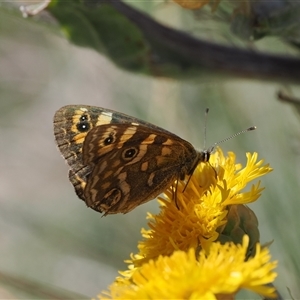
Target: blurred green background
(47, 234)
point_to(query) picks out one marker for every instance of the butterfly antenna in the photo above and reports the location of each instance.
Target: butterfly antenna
(204, 144)
(205, 126)
(211, 149)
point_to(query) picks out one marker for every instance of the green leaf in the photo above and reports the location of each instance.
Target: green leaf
(105, 30)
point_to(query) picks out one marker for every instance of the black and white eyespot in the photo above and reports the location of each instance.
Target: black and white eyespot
(109, 140)
(130, 153)
(83, 118)
(83, 125)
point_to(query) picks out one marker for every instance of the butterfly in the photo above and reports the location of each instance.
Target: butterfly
(118, 162)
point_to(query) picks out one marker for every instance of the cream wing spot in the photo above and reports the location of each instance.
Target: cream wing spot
(79, 138)
(107, 174)
(160, 160)
(149, 140)
(113, 156)
(119, 171)
(122, 176)
(128, 133)
(165, 151)
(150, 179)
(104, 118)
(116, 163)
(103, 166)
(144, 166)
(168, 142)
(93, 195)
(105, 185)
(124, 186)
(82, 182)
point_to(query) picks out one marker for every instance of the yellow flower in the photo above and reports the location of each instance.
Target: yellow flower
(197, 216)
(187, 275)
(180, 257)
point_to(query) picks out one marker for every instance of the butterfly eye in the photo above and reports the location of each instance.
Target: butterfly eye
(130, 153)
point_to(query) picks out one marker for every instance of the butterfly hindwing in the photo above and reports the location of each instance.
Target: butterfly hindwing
(131, 164)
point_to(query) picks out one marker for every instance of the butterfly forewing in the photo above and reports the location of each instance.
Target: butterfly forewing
(71, 125)
(118, 162)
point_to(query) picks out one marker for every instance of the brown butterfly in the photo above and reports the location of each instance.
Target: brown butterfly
(119, 162)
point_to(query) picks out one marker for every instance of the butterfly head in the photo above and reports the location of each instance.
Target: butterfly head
(204, 155)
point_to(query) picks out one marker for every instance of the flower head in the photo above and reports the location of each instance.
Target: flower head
(188, 275)
(200, 213)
